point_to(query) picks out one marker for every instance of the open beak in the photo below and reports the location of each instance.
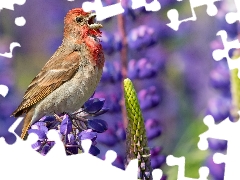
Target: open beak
(91, 22)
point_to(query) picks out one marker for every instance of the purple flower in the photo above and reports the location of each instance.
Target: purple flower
(111, 72)
(66, 125)
(72, 145)
(97, 125)
(73, 128)
(155, 151)
(140, 37)
(217, 144)
(219, 108)
(119, 162)
(45, 149)
(153, 129)
(220, 77)
(112, 99)
(158, 161)
(36, 146)
(107, 40)
(41, 134)
(148, 98)
(132, 69)
(87, 134)
(94, 105)
(146, 68)
(94, 150)
(216, 170)
(108, 138)
(120, 131)
(117, 43)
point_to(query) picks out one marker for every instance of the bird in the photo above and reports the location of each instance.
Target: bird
(70, 76)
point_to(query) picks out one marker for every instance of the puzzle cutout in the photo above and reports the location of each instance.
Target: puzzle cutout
(231, 134)
(94, 168)
(219, 54)
(21, 151)
(173, 14)
(20, 156)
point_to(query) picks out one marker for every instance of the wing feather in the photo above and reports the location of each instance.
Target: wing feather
(50, 78)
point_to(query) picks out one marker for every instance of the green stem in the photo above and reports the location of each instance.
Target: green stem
(136, 142)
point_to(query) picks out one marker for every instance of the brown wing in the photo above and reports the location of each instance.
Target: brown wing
(55, 72)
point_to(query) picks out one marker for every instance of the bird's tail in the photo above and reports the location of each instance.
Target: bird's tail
(27, 123)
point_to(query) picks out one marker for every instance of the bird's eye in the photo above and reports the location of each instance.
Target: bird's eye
(79, 19)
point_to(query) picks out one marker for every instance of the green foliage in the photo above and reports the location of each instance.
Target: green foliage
(187, 147)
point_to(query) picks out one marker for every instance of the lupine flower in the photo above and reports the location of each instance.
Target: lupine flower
(153, 128)
(106, 41)
(219, 108)
(157, 159)
(72, 128)
(109, 138)
(111, 72)
(217, 144)
(220, 77)
(141, 37)
(216, 170)
(148, 98)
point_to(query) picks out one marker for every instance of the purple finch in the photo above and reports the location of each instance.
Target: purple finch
(70, 76)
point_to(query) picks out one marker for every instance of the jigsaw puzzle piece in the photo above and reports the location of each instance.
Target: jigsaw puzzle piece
(58, 148)
(12, 46)
(103, 12)
(232, 17)
(231, 160)
(173, 14)
(219, 54)
(231, 134)
(180, 162)
(9, 4)
(157, 174)
(9, 135)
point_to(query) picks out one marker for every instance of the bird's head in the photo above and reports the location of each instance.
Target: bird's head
(77, 22)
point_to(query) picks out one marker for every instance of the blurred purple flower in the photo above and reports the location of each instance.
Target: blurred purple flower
(132, 69)
(158, 161)
(220, 77)
(153, 129)
(148, 98)
(111, 72)
(120, 131)
(119, 162)
(117, 43)
(142, 36)
(146, 68)
(112, 99)
(217, 144)
(107, 40)
(108, 138)
(219, 108)
(156, 150)
(216, 170)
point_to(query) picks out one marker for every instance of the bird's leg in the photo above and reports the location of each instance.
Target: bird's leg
(57, 117)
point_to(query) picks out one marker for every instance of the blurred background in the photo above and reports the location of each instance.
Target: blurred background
(177, 80)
